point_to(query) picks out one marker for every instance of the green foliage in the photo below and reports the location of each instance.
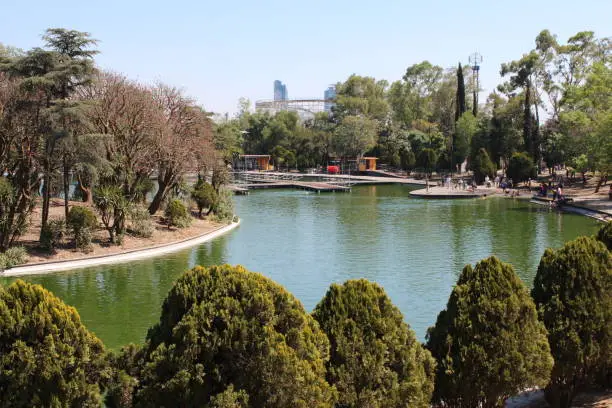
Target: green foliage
(428, 158)
(521, 168)
(605, 235)
(204, 196)
(82, 221)
(488, 342)
(224, 208)
(223, 329)
(354, 136)
(481, 165)
(375, 359)
(113, 208)
(11, 226)
(141, 222)
(465, 128)
(13, 256)
(573, 292)
(52, 234)
(176, 214)
(47, 357)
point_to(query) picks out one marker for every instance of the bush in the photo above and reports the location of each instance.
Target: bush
(51, 236)
(204, 196)
(176, 214)
(482, 166)
(224, 326)
(224, 209)
(142, 224)
(47, 357)
(573, 292)
(605, 235)
(375, 359)
(521, 168)
(82, 221)
(488, 343)
(12, 257)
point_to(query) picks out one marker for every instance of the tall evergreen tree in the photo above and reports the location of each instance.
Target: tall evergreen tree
(460, 107)
(573, 292)
(488, 341)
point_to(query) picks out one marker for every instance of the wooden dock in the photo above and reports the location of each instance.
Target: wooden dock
(303, 185)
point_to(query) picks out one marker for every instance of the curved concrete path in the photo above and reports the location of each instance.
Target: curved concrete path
(50, 267)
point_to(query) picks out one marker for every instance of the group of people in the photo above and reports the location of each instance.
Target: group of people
(557, 191)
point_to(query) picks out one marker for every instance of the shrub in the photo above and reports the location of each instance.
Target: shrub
(82, 221)
(427, 159)
(488, 342)
(176, 214)
(47, 357)
(204, 196)
(573, 292)
(142, 225)
(12, 257)
(482, 166)
(51, 236)
(224, 326)
(605, 235)
(375, 359)
(521, 168)
(224, 209)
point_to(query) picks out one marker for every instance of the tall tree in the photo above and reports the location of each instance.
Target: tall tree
(460, 106)
(573, 292)
(488, 342)
(375, 360)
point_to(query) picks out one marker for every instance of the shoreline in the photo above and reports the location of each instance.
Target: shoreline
(128, 256)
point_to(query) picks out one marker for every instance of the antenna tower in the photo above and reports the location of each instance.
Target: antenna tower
(475, 60)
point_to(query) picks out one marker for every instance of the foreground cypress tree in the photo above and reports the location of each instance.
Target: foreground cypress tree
(573, 293)
(376, 360)
(47, 357)
(488, 343)
(605, 235)
(227, 336)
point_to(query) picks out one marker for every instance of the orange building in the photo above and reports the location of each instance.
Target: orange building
(367, 163)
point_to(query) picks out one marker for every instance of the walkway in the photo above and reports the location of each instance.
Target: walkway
(445, 192)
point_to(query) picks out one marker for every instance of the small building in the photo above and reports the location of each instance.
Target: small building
(367, 163)
(253, 162)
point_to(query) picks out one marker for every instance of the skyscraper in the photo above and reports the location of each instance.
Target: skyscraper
(329, 95)
(280, 91)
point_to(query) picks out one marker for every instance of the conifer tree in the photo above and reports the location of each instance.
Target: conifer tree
(488, 342)
(376, 360)
(573, 292)
(47, 357)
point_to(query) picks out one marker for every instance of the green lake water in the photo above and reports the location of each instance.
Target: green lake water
(414, 248)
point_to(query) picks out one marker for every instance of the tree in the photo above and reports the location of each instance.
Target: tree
(482, 166)
(428, 158)
(605, 235)
(465, 128)
(354, 136)
(375, 360)
(224, 327)
(47, 356)
(184, 140)
(488, 342)
(204, 196)
(521, 168)
(573, 292)
(460, 107)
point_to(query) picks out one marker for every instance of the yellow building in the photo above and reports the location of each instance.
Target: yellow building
(367, 163)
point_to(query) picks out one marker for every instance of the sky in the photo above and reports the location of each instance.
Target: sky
(223, 50)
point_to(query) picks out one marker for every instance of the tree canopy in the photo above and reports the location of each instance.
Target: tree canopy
(488, 342)
(47, 357)
(376, 360)
(223, 328)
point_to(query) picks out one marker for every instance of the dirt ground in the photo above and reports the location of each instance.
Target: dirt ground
(101, 244)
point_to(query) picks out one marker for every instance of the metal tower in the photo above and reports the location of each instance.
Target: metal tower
(475, 60)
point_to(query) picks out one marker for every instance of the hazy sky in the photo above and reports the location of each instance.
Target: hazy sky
(219, 51)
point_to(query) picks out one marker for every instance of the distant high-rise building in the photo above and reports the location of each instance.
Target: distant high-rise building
(329, 95)
(280, 91)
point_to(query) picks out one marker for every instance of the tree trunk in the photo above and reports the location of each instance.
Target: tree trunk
(165, 184)
(46, 201)
(66, 180)
(602, 177)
